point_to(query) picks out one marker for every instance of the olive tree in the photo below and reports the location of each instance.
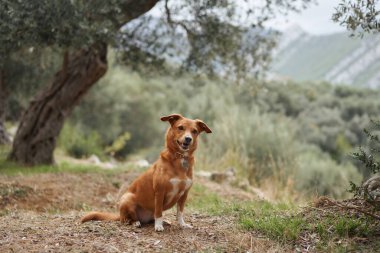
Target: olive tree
(216, 34)
(358, 16)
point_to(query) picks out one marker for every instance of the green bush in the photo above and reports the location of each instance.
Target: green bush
(118, 144)
(369, 158)
(319, 174)
(78, 144)
(258, 145)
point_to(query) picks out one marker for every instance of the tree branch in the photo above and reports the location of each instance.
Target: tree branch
(352, 207)
(171, 22)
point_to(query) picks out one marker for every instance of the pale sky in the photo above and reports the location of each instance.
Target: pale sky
(315, 20)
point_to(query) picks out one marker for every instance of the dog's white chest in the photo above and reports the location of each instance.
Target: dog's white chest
(179, 186)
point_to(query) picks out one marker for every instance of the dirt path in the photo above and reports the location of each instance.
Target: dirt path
(40, 213)
(32, 232)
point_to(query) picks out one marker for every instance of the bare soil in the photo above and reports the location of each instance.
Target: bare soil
(40, 213)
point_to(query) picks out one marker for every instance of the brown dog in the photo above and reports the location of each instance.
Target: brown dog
(166, 183)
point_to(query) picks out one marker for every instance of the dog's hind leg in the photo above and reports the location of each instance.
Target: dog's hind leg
(128, 209)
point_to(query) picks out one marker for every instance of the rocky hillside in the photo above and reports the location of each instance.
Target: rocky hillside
(336, 58)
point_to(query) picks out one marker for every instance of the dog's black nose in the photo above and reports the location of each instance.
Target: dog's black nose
(188, 139)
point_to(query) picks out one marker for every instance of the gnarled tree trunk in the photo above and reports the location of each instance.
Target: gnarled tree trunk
(4, 138)
(42, 122)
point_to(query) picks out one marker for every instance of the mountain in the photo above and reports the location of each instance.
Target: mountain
(337, 58)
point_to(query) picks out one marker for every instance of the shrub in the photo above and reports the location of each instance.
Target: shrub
(118, 144)
(318, 174)
(78, 144)
(370, 158)
(259, 145)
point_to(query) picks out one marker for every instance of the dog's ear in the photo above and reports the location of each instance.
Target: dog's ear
(172, 118)
(202, 126)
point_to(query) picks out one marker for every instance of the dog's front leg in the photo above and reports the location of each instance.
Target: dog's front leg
(158, 206)
(180, 207)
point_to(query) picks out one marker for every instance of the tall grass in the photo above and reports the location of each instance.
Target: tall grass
(258, 145)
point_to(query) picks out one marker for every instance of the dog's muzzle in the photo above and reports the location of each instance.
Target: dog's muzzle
(186, 143)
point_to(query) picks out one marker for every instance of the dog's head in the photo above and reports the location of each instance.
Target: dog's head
(183, 132)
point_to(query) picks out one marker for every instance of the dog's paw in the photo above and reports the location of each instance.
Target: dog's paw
(137, 224)
(158, 224)
(158, 228)
(185, 225)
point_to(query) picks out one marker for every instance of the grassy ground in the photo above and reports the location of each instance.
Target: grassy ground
(40, 209)
(308, 228)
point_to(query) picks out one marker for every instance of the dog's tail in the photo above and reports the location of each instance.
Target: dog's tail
(100, 216)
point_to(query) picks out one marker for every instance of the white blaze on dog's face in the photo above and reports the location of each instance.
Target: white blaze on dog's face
(184, 132)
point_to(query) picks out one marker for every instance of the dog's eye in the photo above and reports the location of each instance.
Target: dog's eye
(195, 131)
(181, 128)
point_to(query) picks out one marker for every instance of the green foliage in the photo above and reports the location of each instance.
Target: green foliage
(330, 117)
(263, 142)
(123, 104)
(63, 23)
(4, 151)
(348, 227)
(331, 228)
(277, 227)
(206, 201)
(286, 223)
(10, 168)
(342, 145)
(369, 158)
(79, 144)
(118, 144)
(358, 16)
(273, 220)
(318, 174)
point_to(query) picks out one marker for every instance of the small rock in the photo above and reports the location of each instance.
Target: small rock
(94, 159)
(142, 163)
